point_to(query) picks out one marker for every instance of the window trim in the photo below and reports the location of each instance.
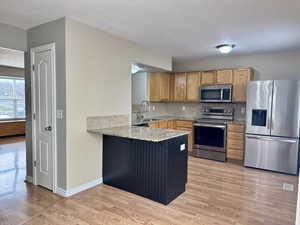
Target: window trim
(15, 98)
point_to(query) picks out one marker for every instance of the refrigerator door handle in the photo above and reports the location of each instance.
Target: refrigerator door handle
(272, 139)
(269, 124)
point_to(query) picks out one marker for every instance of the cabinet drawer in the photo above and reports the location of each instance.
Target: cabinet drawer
(235, 144)
(240, 128)
(184, 129)
(235, 154)
(184, 123)
(236, 136)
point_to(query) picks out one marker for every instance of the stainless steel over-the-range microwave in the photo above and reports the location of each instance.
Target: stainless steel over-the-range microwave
(216, 93)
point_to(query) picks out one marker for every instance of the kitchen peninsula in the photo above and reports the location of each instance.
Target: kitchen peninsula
(149, 162)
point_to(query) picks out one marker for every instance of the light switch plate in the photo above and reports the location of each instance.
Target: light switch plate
(59, 114)
(183, 108)
(182, 147)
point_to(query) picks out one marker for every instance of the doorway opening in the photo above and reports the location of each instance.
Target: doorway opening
(12, 121)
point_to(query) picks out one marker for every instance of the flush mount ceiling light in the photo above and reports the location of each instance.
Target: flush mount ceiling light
(225, 48)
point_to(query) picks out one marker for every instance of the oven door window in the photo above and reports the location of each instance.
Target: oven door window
(209, 136)
(211, 94)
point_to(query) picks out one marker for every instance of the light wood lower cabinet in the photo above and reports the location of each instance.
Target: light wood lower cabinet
(153, 125)
(184, 125)
(171, 124)
(235, 141)
(163, 124)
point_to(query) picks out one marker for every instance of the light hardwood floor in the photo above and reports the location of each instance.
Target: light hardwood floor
(217, 194)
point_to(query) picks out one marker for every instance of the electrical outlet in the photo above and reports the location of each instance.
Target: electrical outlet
(288, 187)
(183, 108)
(182, 147)
(153, 108)
(243, 110)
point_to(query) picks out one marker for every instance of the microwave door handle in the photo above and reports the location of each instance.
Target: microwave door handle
(222, 94)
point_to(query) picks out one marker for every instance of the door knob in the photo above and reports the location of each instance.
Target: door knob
(49, 128)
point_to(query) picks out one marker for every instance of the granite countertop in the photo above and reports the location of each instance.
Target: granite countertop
(165, 118)
(140, 133)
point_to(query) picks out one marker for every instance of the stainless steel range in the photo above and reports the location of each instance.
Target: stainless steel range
(210, 133)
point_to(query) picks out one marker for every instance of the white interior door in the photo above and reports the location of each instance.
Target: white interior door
(43, 96)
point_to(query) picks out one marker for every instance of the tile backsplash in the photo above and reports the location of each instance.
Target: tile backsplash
(185, 109)
(100, 122)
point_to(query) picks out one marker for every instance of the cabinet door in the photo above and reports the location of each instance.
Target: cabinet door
(193, 83)
(153, 125)
(171, 124)
(163, 124)
(171, 87)
(180, 87)
(164, 86)
(235, 141)
(240, 79)
(208, 78)
(224, 77)
(154, 86)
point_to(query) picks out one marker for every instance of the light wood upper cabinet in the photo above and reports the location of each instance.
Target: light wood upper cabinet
(164, 86)
(208, 78)
(179, 87)
(224, 77)
(193, 83)
(172, 86)
(159, 85)
(240, 79)
(154, 86)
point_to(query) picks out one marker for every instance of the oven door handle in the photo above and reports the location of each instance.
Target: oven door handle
(209, 125)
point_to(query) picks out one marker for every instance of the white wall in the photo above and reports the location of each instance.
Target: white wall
(98, 83)
(283, 65)
(139, 87)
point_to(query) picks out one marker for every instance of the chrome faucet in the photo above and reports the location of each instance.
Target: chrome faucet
(146, 105)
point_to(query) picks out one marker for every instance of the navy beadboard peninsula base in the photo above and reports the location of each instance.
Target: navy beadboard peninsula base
(154, 170)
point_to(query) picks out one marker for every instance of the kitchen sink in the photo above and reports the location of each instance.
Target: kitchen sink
(150, 120)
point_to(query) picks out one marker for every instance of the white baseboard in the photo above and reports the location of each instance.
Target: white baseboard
(83, 187)
(29, 179)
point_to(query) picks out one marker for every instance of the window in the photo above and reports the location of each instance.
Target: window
(12, 98)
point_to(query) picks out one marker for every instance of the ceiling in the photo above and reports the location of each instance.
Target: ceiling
(184, 29)
(11, 58)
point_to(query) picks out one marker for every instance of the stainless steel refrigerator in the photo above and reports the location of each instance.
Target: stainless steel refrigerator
(273, 125)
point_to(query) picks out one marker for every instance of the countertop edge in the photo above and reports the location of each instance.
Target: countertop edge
(103, 132)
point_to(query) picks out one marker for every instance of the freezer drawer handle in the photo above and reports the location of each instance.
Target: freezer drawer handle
(272, 139)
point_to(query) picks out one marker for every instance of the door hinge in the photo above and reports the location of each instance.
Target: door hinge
(33, 67)
(33, 116)
(34, 163)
